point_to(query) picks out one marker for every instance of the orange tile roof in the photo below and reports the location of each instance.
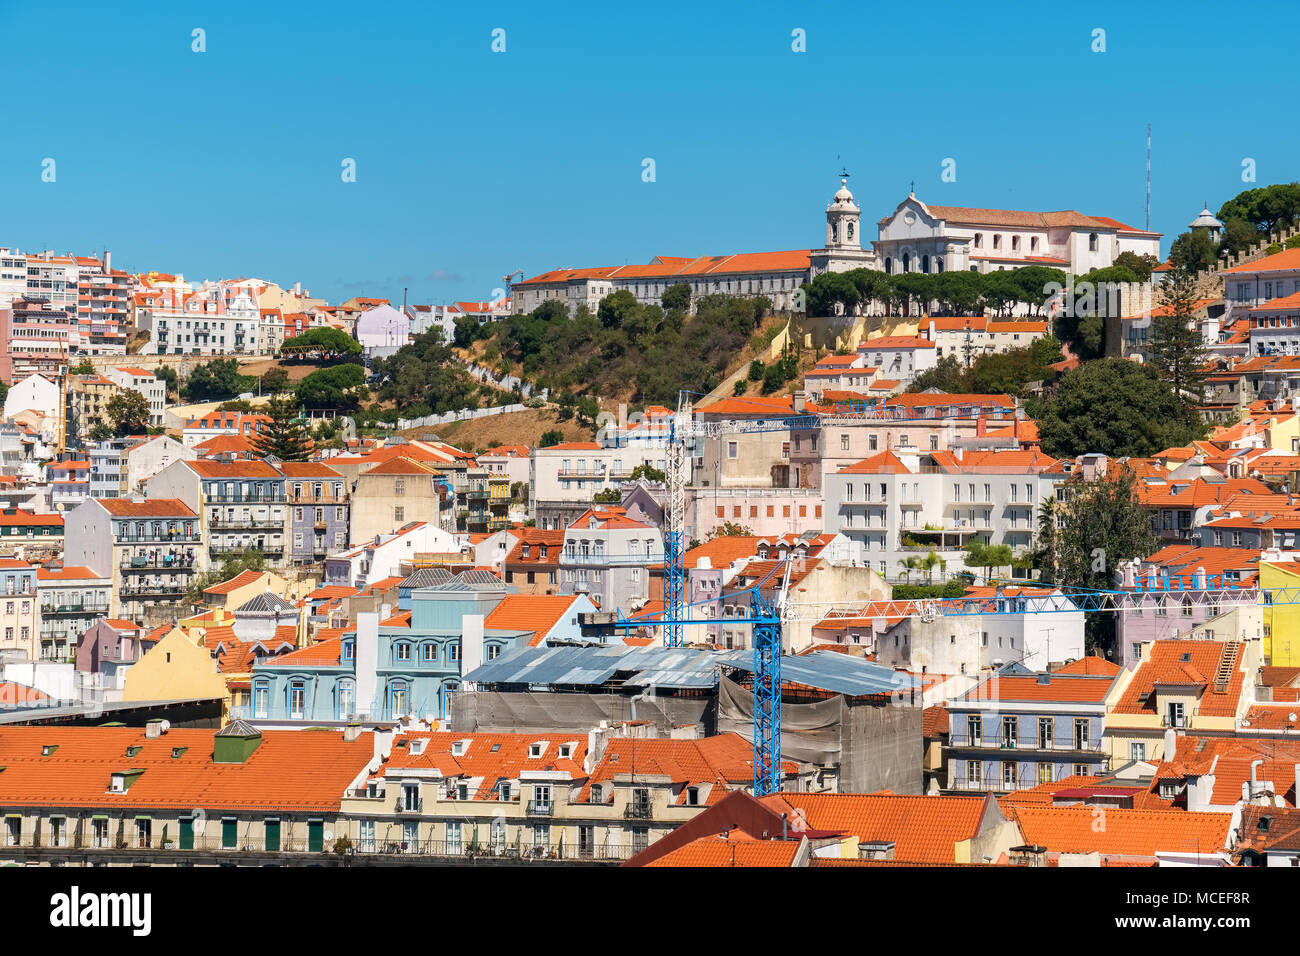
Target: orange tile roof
(1285, 260)
(289, 771)
(885, 463)
(723, 762)
(1090, 665)
(1069, 688)
(242, 579)
(530, 612)
(248, 468)
(1166, 666)
(724, 550)
(401, 466)
(488, 758)
(67, 573)
(324, 653)
(922, 829)
(221, 444)
(149, 508)
(738, 849)
(1125, 833)
(934, 721)
(308, 469)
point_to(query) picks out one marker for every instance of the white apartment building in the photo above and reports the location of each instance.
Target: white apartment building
(898, 358)
(563, 478)
(147, 384)
(606, 556)
(217, 318)
(899, 504)
(1253, 284)
(966, 337)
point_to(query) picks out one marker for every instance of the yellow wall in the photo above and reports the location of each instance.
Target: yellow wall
(1281, 620)
(176, 668)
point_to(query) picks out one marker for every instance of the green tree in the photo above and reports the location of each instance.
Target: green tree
(987, 556)
(1047, 547)
(169, 376)
(616, 308)
(339, 387)
(729, 529)
(101, 431)
(1141, 266)
(1194, 251)
(550, 437)
(324, 339)
(756, 370)
(1252, 214)
(217, 380)
(128, 411)
(232, 564)
(947, 376)
(1177, 349)
(677, 297)
(1103, 523)
(286, 435)
(1118, 408)
(276, 380)
(84, 367)
(649, 473)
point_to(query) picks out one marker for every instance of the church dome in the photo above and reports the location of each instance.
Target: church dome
(843, 197)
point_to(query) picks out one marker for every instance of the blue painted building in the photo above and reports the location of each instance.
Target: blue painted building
(1017, 729)
(393, 664)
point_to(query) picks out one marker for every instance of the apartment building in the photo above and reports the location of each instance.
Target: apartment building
(152, 388)
(542, 795)
(102, 306)
(563, 479)
(217, 318)
(1184, 684)
(606, 556)
(19, 615)
(512, 461)
(1253, 284)
(151, 549)
(384, 555)
(1019, 728)
(532, 565)
(896, 505)
(241, 504)
(319, 509)
(38, 338)
(395, 493)
(71, 599)
(235, 791)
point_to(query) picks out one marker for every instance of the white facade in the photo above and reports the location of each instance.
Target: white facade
(35, 392)
(147, 384)
(147, 459)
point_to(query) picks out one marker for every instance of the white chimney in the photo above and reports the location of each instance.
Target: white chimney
(367, 662)
(1171, 744)
(471, 644)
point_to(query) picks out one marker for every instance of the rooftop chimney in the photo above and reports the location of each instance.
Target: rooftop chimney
(153, 729)
(351, 732)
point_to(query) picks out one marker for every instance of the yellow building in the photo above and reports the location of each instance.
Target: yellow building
(1281, 619)
(178, 667)
(88, 399)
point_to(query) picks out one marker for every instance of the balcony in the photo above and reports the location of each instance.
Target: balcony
(269, 550)
(53, 610)
(540, 808)
(477, 495)
(158, 590)
(497, 524)
(309, 499)
(638, 810)
(166, 562)
(168, 537)
(409, 806)
(966, 742)
(239, 499)
(248, 523)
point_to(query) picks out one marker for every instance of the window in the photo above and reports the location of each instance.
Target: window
(1044, 733)
(366, 836)
(14, 830)
(844, 443)
(1044, 773)
(260, 694)
(1137, 751)
(453, 839)
(399, 486)
(1010, 730)
(59, 831)
(1080, 733)
(397, 699)
(346, 699)
(430, 653)
(1174, 714)
(399, 515)
(1008, 775)
(453, 651)
(297, 695)
(731, 449)
(403, 651)
(974, 773)
(411, 797)
(98, 832)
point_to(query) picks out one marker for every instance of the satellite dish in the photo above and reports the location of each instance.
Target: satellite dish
(1291, 717)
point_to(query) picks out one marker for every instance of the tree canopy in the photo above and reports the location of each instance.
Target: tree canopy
(1177, 349)
(324, 339)
(938, 293)
(286, 436)
(340, 387)
(217, 380)
(128, 411)
(1118, 408)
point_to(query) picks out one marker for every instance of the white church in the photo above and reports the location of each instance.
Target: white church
(914, 238)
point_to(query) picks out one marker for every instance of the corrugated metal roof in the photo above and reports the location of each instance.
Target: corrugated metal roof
(838, 673)
(426, 578)
(683, 667)
(472, 580)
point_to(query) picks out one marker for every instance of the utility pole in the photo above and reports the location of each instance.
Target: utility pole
(1148, 177)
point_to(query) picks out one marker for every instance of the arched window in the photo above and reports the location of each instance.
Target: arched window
(1092, 242)
(1015, 243)
(1033, 243)
(997, 241)
(925, 263)
(889, 266)
(979, 240)
(907, 262)
(938, 263)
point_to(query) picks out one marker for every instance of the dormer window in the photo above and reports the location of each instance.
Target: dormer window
(117, 783)
(535, 750)
(597, 793)
(692, 796)
(458, 748)
(566, 751)
(48, 750)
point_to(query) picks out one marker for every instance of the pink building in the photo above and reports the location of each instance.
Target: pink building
(37, 339)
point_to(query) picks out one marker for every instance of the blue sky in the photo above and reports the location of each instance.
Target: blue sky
(471, 164)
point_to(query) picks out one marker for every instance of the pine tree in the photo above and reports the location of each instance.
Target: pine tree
(1177, 349)
(286, 436)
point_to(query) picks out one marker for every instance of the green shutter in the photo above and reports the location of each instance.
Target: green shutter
(315, 836)
(228, 834)
(187, 834)
(273, 835)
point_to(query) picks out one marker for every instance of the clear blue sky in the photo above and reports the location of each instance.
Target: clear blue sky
(471, 164)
